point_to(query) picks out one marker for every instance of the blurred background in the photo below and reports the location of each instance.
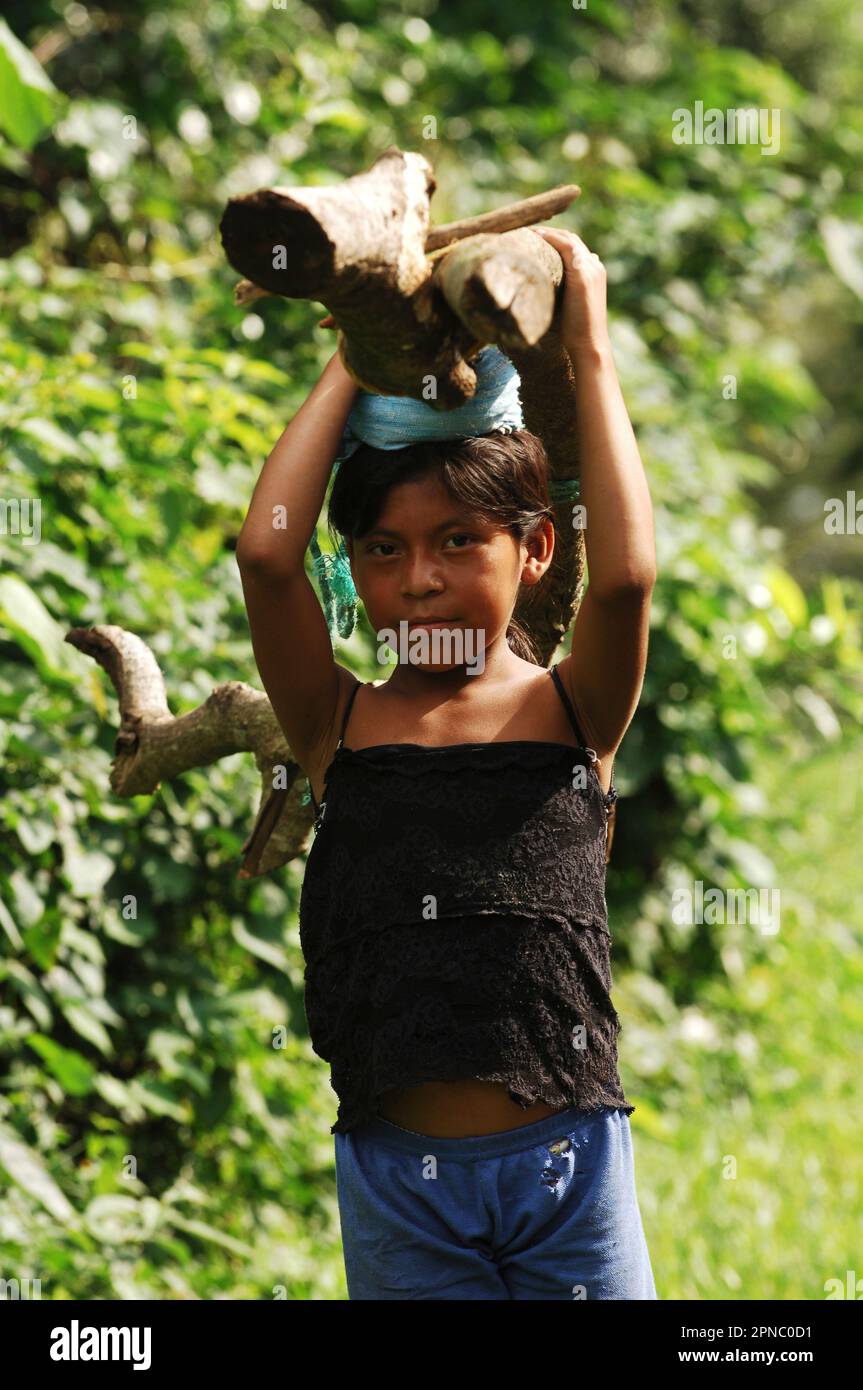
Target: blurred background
(153, 1142)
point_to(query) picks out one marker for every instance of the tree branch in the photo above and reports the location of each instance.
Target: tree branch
(154, 746)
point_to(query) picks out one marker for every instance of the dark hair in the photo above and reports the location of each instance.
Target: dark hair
(500, 477)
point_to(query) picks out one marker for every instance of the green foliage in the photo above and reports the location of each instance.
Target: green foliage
(158, 1139)
(747, 1161)
(28, 99)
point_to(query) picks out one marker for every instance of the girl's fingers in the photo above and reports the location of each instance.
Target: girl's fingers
(568, 238)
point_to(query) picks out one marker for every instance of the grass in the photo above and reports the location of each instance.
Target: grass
(749, 1174)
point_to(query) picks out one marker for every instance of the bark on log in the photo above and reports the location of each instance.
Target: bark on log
(153, 745)
(362, 249)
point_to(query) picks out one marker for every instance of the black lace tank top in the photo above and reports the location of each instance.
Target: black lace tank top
(454, 924)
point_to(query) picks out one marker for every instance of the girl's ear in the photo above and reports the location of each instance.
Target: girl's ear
(540, 545)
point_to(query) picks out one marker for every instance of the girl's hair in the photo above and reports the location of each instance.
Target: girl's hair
(500, 477)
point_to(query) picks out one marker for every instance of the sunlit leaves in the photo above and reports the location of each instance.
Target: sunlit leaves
(29, 101)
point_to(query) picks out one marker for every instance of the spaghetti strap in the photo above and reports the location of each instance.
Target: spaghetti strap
(345, 717)
(610, 797)
(567, 703)
(351, 699)
(612, 792)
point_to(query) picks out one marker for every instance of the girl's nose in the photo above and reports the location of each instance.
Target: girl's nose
(420, 578)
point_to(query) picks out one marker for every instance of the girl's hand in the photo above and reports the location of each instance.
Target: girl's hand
(328, 322)
(584, 317)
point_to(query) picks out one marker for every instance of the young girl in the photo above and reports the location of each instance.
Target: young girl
(453, 915)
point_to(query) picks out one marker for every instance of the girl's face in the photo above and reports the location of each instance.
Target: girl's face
(429, 557)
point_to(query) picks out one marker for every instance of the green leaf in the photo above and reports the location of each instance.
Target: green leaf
(129, 932)
(29, 906)
(74, 1073)
(843, 243)
(169, 1049)
(266, 950)
(340, 113)
(148, 352)
(209, 1233)
(7, 922)
(29, 101)
(119, 1095)
(789, 596)
(25, 1167)
(31, 991)
(87, 870)
(35, 630)
(82, 1020)
(159, 1100)
(35, 833)
(41, 941)
(54, 440)
(116, 1219)
(819, 711)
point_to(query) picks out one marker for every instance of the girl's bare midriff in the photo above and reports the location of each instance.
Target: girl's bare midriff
(459, 1109)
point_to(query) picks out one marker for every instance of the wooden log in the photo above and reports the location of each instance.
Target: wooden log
(502, 287)
(524, 213)
(359, 249)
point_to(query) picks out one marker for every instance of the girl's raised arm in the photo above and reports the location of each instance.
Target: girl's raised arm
(287, 500)
(605, 672)
(290, 637)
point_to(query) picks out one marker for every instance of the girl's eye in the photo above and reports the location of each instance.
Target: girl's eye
(460, 536)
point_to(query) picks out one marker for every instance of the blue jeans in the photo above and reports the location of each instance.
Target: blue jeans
(546, 1211)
